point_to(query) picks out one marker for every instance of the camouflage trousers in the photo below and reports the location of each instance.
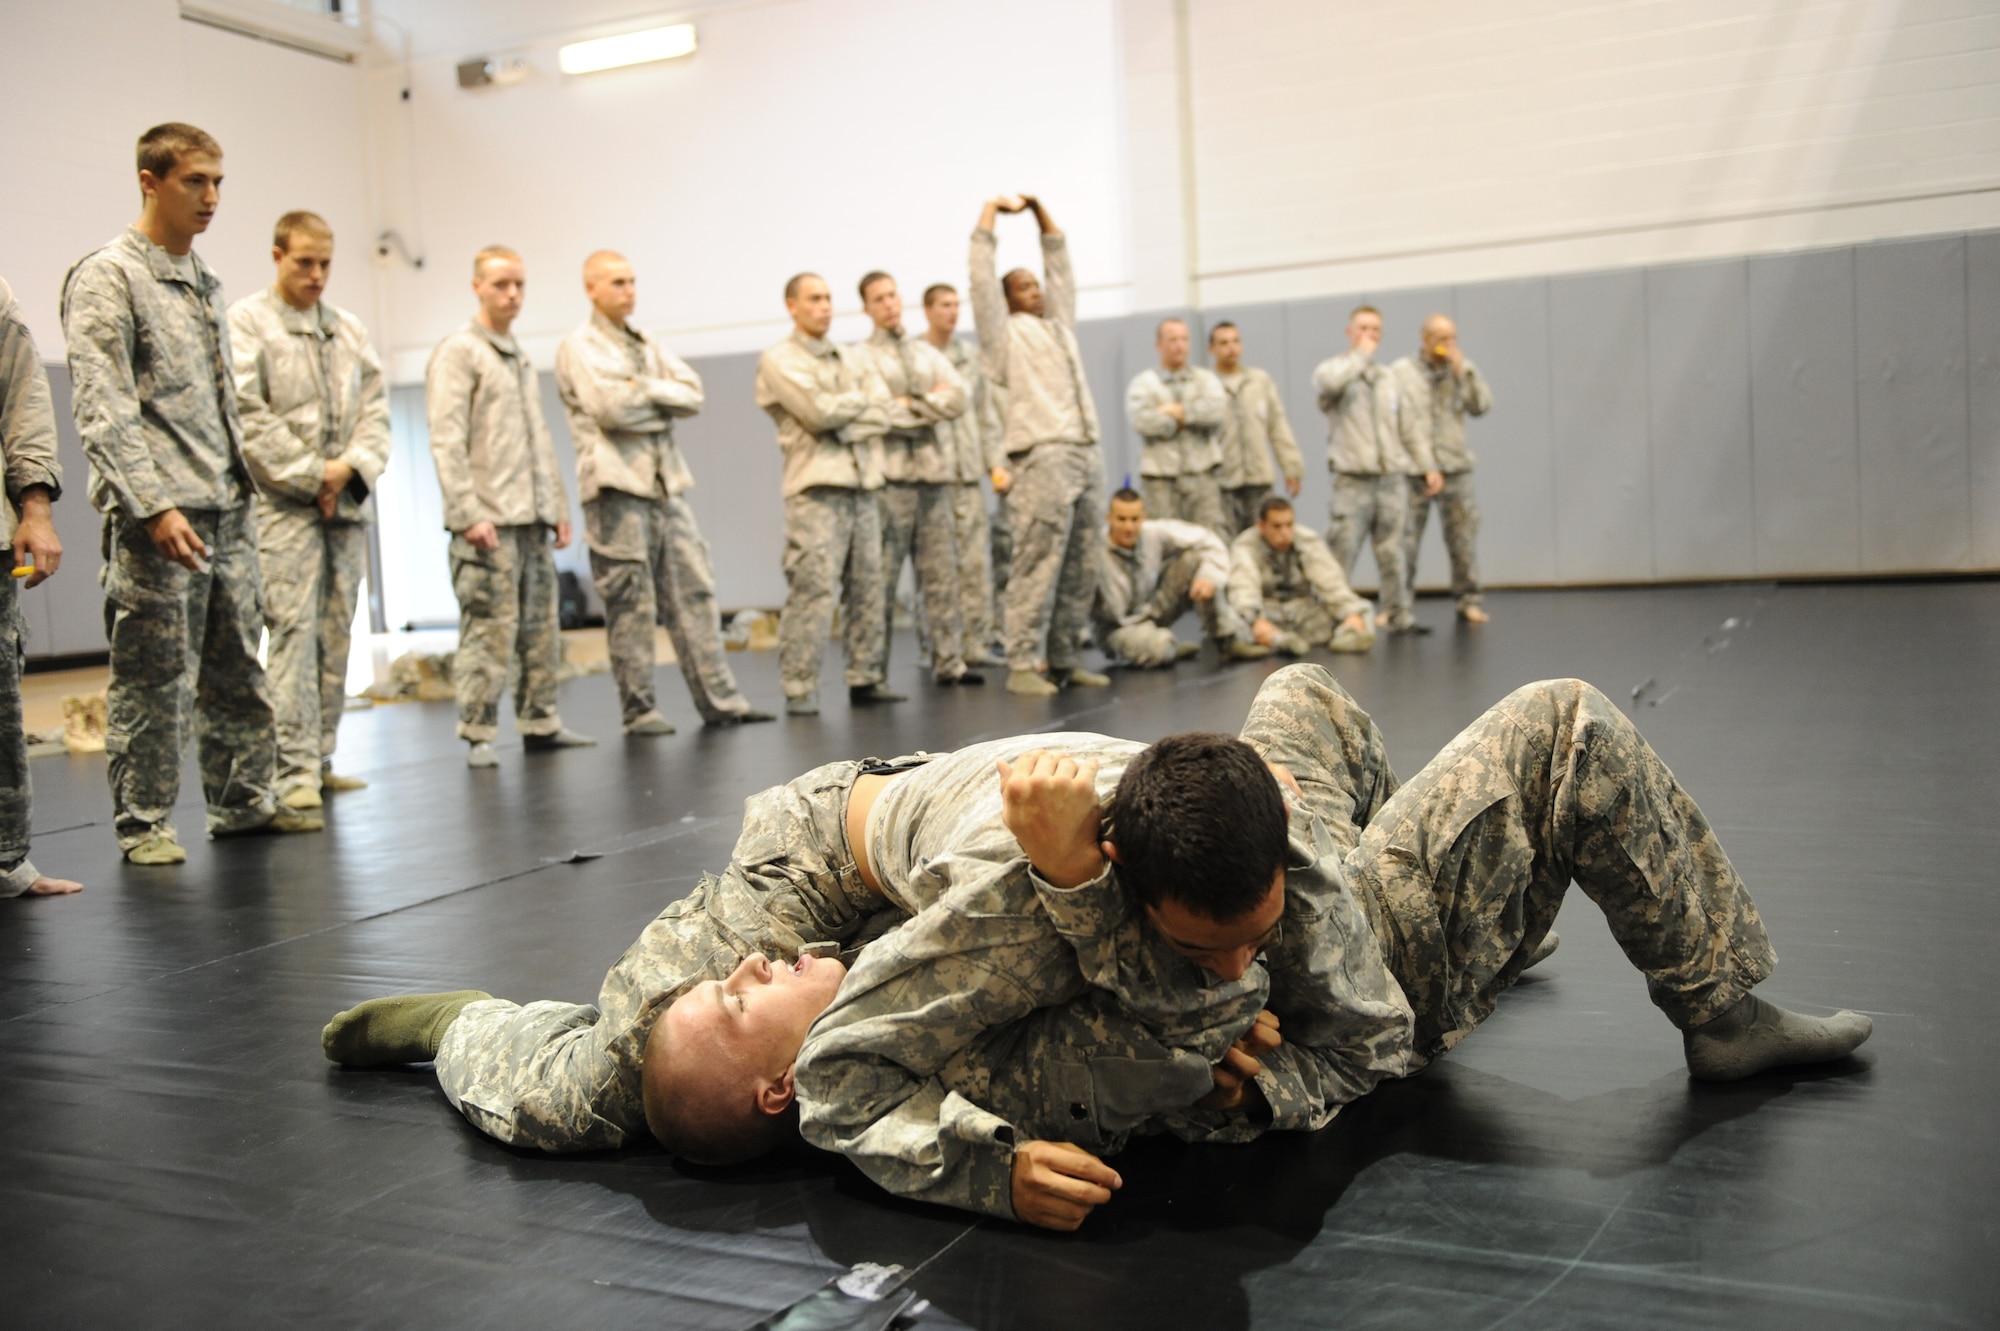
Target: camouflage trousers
(1148, 640)
(975, 569)
(1305, 616)
(312, 572)
(1373, 508)
(651, 567)
(507, 632)
(1458, 511)
(1056, 509)
(184, 658)
(1240, 505)
(1001, 551)
(17, 871)
(1192, 497)
(918, 525)
(833, 555)
(567, 1076)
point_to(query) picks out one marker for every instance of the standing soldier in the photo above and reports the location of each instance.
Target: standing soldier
(925, 393)
(972, 453)
(1438, 388)
(1371, 451)
(831, 409)
(315, 415)
(623, 391)
(503, 501)
(34, 480)
(1253, 427)
(1055, 471)
(155, 407)
(1177, 408)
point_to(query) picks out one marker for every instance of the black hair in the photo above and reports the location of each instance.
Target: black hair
(1127, 495)
(1198, 820)
(1273, 504)
(874, 276)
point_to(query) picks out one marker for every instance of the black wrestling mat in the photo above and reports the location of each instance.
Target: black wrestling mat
(178, 1154)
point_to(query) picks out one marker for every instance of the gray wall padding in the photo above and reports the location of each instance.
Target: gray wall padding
(1823, 413)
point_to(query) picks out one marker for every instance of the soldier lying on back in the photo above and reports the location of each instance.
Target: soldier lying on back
(1111, 938)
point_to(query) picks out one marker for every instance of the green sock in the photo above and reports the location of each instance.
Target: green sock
(384, 1032)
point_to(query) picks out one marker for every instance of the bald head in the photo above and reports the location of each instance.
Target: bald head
(1440, 338)
(608, 281)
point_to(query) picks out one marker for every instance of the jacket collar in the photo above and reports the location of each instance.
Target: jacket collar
(818, 346)
(616, 332)
(503, 343)
(161, 264)
(320, 319)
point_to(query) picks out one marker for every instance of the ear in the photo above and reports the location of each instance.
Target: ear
(775, 1097)
(1110, 852)
(277, 254)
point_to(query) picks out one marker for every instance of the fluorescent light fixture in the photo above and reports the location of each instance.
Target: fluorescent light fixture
(631, 48)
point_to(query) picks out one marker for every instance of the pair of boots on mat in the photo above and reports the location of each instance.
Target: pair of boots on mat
(978, 974)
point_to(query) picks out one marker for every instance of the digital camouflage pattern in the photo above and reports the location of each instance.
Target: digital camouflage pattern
(507, 632)
(184, 659)
(27, 420)
(972, 540)
(1374, 509)
(495, 460)
(1458, 510)
(1302, 590)
(312, 573)
(833, 556)
(670, 582)
(1254, 426)
(924, 392)
(1366, 434)
(1192, 497)
(830, 409)
(1168, 447)
(1240, 507)
(17, 872)
(1034, 360)
(1437, 403)
(1143, 590)
(1055, 514)
(622, 392)
(973, 443)
(918, 526)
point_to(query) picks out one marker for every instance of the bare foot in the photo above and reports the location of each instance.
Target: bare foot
(46, 886)
(1472, 614)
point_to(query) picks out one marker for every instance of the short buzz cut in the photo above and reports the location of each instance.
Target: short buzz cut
(1199, 820)
(1161, 327)
(1360, 310)
(493, 252)
(1215, 331)
(1127, 495)
(1273, 504)
(936, 289)
(162, 145)
(798, 280)
(869, 279)
(299, 222)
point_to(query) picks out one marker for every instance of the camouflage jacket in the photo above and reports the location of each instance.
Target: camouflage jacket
(830, 408)
(308, 389)
(1035, 358)
(1365, 435)
(1177, 448)
(914, 448)
(153, 395)
(1129, 578)
(623, 392)
(27, 420)
(884, 1073)
(1437, 403)
(1253, 427)
(1259, 575)
(973, 440)
(495, 460)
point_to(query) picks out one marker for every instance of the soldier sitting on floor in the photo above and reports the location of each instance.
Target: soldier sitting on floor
(1120, 930)
(1156, 570)
(1287, 586)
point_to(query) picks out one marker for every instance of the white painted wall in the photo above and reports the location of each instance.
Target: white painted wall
(1369, 144)
(84, 80)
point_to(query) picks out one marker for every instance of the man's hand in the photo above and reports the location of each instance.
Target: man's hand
(1292, 484)
(1236, 1074)
(1455, 358)
(1049, 802)
(1201, 589)
(36, 537)
(1366, 340)
(1003, 480)
(1288, 781)
(176, 539)
(562, 534)
(1057, 1185)
(1357, 622)
(1176, 411)
(1263, 632)
(337, 475)
(1433, 484)
(482, 536)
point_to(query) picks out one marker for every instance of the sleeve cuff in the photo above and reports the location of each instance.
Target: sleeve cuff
(1088, 910)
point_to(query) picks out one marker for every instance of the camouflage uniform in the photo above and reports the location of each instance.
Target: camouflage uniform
(830, 409)
(1301, 590)
(155, 406)
(309, 389)
(1051, 440)
(917, 522)
(1253, 427)
(623, 392)
(1407, 913)
(1372, 450)
(1142, 591)
(1180, 462)
(972, 444)
(28, 454)
(1438, 402)
(496, 463)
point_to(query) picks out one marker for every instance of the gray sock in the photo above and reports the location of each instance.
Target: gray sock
(1755, 1035)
